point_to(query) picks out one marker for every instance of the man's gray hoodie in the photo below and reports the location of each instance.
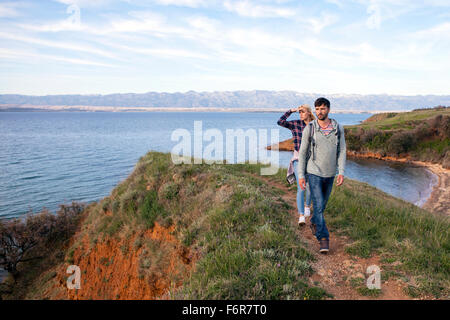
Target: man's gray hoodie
(323, 161)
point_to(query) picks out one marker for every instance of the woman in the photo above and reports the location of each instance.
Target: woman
(296, 127)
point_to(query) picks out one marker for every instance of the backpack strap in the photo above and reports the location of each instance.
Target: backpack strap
(312, 142)
(338, 136)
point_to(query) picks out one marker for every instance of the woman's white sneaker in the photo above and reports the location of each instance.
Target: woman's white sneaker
(301, 220)
(307, 212)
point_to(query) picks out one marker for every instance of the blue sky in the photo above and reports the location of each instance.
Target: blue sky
(330, 46)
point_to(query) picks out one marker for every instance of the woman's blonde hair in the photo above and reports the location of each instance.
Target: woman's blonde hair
(307, 109)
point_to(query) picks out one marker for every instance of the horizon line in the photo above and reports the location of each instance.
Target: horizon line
(223, 91)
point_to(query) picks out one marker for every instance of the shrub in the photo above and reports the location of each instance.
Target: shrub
(128, 201)
(154, 260)
(115, 206)
(368, 135)
(170, 190)
(30, 238)
(401, 142)
(150, 209)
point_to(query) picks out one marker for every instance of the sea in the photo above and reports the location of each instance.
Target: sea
(51, 158)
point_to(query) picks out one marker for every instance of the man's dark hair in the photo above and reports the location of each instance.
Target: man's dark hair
(322, 101)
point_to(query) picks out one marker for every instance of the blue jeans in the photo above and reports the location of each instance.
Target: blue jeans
(320, 192)
(301, 193)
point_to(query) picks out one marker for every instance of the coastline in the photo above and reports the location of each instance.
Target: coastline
(439, 199)
(86, 108)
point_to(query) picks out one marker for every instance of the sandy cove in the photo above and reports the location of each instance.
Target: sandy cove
(439, 200)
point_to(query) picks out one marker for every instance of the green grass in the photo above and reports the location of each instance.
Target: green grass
(150, 209)
(364, 291)
(237, 224)
(387, 121)
(437, 145)
(250, 249)
(244, 238)
(423, 135)
(379, 223)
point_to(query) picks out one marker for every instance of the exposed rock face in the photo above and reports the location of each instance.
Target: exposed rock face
(109, 271)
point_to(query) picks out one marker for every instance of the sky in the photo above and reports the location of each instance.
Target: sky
(310, 46)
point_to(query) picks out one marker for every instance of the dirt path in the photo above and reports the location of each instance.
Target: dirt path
(338, 272)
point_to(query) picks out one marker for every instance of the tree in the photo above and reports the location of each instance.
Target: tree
(27, 239)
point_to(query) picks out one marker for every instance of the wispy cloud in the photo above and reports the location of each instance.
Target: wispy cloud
(12, 9)
(438, 32)
(336, 2)
(85, 3)
(159, 52)
(59, 44)
(270, 43)
(324, 20)
(25, 56)
(248, 8)
(182, 3)
(379, 11)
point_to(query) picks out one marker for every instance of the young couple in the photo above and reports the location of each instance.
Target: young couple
(319, 154)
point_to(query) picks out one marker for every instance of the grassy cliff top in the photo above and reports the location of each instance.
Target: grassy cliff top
(402, 120)
(222, 231)
(422, 135)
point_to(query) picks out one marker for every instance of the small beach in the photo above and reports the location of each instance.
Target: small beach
(439, 199)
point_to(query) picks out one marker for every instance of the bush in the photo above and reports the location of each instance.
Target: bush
(170, 190)
(30, 238)
(401, 142)
(368, 135)
(128, 202)
(150, 209)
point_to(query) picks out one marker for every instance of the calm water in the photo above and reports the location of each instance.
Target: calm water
(49, 158)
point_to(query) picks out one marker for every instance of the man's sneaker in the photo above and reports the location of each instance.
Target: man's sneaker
(301, 220)
(324, 245)
(307, 212)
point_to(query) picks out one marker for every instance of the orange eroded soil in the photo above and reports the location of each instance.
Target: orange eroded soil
(110, 272)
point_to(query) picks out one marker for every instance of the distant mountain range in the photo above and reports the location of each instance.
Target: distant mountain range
(259, 99)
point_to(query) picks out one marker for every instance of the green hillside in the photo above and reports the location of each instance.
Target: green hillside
(224, 232)
(423, 135)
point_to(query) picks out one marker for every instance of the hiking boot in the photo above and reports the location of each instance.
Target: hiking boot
(301, 220)
(307, 212)
(313, 228)
(324, 245)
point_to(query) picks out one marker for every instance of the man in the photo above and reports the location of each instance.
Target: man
(322, 154)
